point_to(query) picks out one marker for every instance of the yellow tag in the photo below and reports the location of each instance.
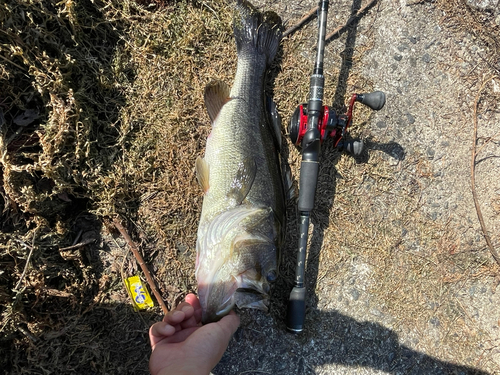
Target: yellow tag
(139, 293)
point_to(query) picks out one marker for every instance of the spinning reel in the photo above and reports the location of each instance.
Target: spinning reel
(331, 125)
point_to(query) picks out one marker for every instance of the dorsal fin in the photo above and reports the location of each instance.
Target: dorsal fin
(216, 95)
(202, 173)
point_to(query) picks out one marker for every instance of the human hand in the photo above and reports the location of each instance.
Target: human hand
(183, 346)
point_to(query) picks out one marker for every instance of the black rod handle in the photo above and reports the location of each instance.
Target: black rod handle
(296, 309)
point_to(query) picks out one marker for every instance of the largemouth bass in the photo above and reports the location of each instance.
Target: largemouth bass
(240, 229)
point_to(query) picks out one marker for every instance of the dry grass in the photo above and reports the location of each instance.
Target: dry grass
(114, 91)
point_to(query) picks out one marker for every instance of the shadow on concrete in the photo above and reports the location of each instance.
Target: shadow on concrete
(262, 346)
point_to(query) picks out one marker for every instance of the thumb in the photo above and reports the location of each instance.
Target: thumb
(210, 341)
(229, 324)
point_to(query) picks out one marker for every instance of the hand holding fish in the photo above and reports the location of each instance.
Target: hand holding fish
(181, 345)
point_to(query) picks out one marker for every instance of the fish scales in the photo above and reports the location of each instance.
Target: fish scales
(240, 229)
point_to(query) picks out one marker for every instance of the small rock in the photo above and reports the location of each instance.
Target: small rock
(381, 124)
(398, 57)
(391, 356)
(410, 118)
(413, 39)
(431, 152)
(435, 322)
(413, 62)
(279, 365)
(430, 44)
(355, 294)
(426, 58)
(403, 47)
(497, 20)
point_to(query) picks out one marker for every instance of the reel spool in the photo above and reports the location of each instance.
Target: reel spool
(328, 124)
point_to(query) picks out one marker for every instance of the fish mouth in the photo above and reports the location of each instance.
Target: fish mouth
(218, 299)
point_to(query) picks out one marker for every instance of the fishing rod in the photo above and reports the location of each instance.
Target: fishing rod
(310, 125)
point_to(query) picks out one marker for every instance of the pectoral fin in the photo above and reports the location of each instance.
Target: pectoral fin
(243, 181)
(216, 95)
(202, 173)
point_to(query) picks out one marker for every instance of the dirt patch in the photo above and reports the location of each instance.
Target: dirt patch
(102, 115)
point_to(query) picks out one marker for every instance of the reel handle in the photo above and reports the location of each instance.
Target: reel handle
(375, 100)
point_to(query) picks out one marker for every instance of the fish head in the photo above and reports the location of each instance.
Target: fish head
(237, 259)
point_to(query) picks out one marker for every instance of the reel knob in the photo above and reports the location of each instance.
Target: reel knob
(375, 100)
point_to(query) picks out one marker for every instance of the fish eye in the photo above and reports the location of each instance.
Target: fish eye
(272, 276)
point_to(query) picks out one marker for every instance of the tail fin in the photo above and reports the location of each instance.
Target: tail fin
(256, 33)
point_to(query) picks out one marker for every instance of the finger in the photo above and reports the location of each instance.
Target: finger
(198, 315)
(195, 302)
(160, 331)
(174, 317)
(190, 319)
(180, 336)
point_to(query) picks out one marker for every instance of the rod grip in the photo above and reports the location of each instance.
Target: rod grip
(296, 310)
(308, 181)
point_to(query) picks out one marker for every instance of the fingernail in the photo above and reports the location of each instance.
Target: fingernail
(186, 308)
(176, 314)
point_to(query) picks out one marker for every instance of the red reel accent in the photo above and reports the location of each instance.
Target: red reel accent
(323, 121)
(354, 97)
(302, 125)
(338, 134)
